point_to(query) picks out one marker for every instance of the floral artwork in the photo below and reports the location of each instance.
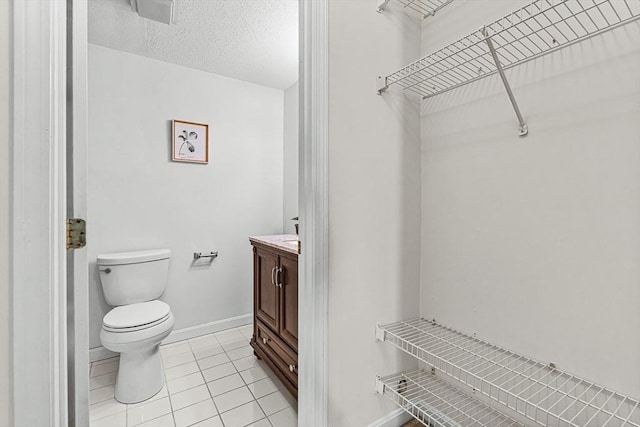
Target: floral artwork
(190, 142)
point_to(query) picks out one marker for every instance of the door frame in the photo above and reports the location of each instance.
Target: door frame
(314, 214)
(38, 200)
(76, 173)
(39, 208)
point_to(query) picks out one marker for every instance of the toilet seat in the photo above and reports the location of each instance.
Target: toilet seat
(136, 317)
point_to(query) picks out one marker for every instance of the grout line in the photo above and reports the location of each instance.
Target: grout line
(173, 413)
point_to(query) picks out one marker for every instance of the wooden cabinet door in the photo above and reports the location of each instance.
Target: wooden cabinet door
(266, 292)
(288, 278)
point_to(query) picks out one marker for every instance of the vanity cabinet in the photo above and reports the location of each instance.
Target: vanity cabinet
(275, 306)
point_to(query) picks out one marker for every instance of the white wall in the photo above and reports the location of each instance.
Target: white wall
(290, 162)
(6, 407)
(374, 205)
(139, 198)
(534, 243)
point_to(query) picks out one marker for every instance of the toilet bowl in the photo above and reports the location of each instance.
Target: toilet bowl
(135, 331)
(135, 327)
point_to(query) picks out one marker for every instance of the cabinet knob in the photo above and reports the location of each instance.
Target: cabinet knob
(265, 340)
(292, 368)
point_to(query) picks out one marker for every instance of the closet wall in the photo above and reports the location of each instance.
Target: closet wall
(533, 243)
(374, 205)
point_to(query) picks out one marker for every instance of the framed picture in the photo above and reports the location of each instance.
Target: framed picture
(190, 142)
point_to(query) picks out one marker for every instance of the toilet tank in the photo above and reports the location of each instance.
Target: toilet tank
(132, 277)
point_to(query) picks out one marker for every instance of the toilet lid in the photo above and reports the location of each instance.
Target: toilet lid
(133, 315)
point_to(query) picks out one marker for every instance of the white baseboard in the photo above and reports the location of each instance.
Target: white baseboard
(208, 328)
(396, 418)
(100, 353)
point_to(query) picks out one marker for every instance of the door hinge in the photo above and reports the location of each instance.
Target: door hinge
(76, 233)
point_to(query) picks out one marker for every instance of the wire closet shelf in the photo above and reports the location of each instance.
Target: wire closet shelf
(425, 8)
(532, 31)
(435, 403)
(540, 392)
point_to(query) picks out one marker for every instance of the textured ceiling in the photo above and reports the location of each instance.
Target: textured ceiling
(251, 40)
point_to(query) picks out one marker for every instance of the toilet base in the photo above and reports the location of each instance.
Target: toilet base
(140, 376)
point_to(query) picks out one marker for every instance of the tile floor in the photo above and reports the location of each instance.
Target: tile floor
(211, 381)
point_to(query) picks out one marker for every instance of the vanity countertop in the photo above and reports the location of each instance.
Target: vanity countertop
(286, 242)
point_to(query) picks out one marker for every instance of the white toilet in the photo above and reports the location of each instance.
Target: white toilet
(132, 281)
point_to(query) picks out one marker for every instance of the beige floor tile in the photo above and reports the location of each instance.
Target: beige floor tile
(101, 394)
(175, 348)
(225, 384)
(203, 342)
(272, 403)
(190, 397)
(148, 411)
(178, 359)
(115, 420)
(195, 413)
(102, 380)
(233, 399)
(163, 421)
(240, 353)
(181, 370)
(210, 362)
(185, 383)
(285, 418)
(262, 387)
(219, 371)
(105, 408)
(254, 374)
(208, 352)
(209, 422)
(104, 368)
(243, 415)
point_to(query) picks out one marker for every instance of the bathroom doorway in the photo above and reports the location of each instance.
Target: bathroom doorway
(107, 58)
(58, 127)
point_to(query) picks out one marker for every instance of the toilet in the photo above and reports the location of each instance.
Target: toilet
(132, 282)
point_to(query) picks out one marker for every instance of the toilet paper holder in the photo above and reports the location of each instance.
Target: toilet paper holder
(198, 255)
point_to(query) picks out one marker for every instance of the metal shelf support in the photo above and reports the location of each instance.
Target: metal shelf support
(537, 29)
(381, 84)
(381, 5)
(523, 130)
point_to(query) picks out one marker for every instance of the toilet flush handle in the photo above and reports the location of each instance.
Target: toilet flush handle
(107, 270)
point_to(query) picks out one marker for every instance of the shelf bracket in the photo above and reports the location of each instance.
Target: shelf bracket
(523, 130)
(381, 5)
(379, 333)
(381, 85)
(379, 385)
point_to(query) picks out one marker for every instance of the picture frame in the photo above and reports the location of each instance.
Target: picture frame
(190, 142)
